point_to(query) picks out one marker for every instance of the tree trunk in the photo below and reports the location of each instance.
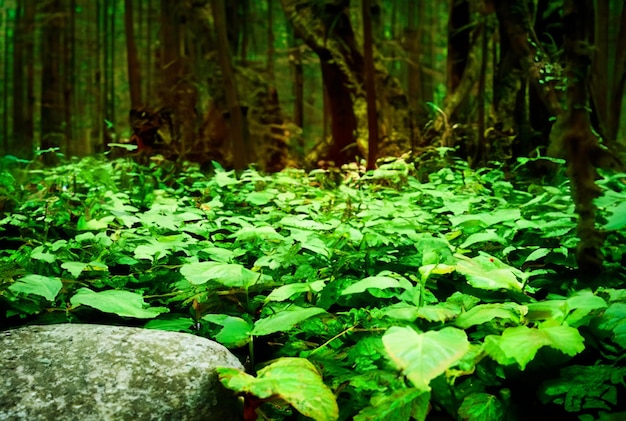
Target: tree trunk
(51, 82)
(134, 74)
(29, 56)
(333, 41)
(572, 132)
(370, 86)
(19, 97)
(240, 148)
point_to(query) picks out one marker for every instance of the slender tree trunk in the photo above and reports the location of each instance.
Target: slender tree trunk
(19, 97)
(270, 40)
(51, 81)
(134, 74)
(572, 133)
(240, 149)
(370, 85)
(29, 56)
(69, 77)
(6, 134)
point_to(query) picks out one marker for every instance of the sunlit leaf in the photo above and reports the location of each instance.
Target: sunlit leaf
(487, 272)
(508, 312)
(424, 356)
(43, 286)
(228, 274)
(294, 380)
(236, 332)
(122, 303)
(400, 405)
(284, 320)
(481, 407)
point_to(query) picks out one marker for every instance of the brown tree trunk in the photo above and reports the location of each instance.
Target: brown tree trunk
(51, 82)
(19, 97)
(134, 73)
(6, 134)
(573, 135)
(240, 148)
(342, 70)
(370, 85)
(69, 77)
(609, 67)
(513, 16)
(458, 42)
(29, 56)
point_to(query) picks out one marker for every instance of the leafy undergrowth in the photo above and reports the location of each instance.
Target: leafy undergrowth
(387, 295)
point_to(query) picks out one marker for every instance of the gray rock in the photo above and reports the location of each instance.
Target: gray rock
(95, 372)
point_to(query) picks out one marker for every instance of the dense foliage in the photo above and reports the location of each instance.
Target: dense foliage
(414, 289)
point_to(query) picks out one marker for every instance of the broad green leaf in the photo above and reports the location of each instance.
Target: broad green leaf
(617, 220)
(236, 332)
(39, 254)
(76, 268)
(284, 320)
(481, 407)
(122, 303)
(400, 405)
(424, 356)
(376, 282)
(509, 312)
(228, 274)
(537, 254)
(483, 237)
(43, 286)
(287, 291)
(521, 343)
(178, 324)
(265, 233)
(94, 224)
(582, 306)
(259, 198)
(294, 380)
(487, 272)
(614, 320)
(486, 219)
(302, 221)
(440, 312)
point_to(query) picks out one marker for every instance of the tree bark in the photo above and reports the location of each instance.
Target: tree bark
(240, 149)
(134, 73)
(51, 82)
(370, 85)
(573, 133)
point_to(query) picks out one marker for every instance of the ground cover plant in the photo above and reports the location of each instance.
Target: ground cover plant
(392, 294)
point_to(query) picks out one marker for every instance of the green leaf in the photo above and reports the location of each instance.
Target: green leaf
(122, 303)
(400, 405)
(483, 237)
(486, 312)
(614, 320)
(617, 220)
(377, 282)
(481, 407)
(521, 343)
(287, 291)
(424, 356)
(284, 320)
(487, 272)
(76, 268)
(228, 274)
(43, 286)
(177, 324)
(236, 332)
(294, 380)
(94, 224)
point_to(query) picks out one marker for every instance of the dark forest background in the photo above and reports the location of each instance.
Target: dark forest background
(293, 82)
